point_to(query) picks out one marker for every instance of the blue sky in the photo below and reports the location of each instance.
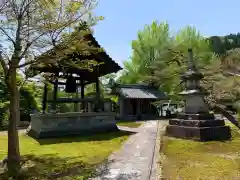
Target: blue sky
(123, 18)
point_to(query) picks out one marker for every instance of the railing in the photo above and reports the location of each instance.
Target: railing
(87, 104)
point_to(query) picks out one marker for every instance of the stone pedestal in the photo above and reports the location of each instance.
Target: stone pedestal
(201, 129)
(74, 123)
(90, 107)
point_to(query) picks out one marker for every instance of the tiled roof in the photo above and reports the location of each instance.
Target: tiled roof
(140, 91)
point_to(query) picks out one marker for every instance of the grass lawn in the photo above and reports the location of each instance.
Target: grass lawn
(189, 160)
(64, 158)
(131, 124)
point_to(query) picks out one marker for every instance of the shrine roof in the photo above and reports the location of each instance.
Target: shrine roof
(136, 91)
(108, 66)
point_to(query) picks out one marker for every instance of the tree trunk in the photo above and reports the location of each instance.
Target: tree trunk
(227, 115)
(13, 161)
(217, 108)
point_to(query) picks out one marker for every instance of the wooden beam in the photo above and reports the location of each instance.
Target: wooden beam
(55, 91)
(64, 83)
(72, 100)
(44, 99)
(82, 92)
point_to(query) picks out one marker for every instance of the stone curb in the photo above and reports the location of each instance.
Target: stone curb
(154, 171)
(156, 166)
(160, 158)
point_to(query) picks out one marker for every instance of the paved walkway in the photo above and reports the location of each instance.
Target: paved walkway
(135, 160)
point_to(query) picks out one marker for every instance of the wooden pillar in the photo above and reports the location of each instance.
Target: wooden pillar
(121, 108)
(138, 109)
(97, 83)
(97, 88)
(44, 99)
(90, 109)
(82, 93)
(97, 105)
(55, 91)
(76, 105)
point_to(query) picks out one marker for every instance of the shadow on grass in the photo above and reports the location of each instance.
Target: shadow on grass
(83, 138)
(68, 168)
(52, 167)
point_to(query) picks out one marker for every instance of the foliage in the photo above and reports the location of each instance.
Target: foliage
(30, 98)
(220, 79)
(4, 115)
(221, 44)
(30, 95)
(114, 99)
(151, 40)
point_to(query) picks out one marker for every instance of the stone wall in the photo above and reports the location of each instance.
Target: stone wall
(63, 124)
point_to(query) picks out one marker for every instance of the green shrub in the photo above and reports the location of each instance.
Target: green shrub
(4, 116)
(4, 121)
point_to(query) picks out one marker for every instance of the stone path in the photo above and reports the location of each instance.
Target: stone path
(134, 161)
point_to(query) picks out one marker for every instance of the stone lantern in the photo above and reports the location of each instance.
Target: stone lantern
(196, 122)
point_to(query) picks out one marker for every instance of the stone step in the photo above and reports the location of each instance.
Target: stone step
(197, 123)
(199, 133)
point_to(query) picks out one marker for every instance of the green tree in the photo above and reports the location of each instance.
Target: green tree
(150, 42)
(30, 96)
(159, 58)
(26, 28)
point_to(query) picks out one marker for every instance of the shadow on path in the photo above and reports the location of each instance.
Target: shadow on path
(102, 173)
(134, 160)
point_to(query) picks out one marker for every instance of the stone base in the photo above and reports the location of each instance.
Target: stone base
(200, 116)
(199, 130)
(54, 134)
(69, 124)
(197, 123)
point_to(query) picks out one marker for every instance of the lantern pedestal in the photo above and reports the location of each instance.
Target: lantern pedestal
(196, 122)
(199, 129)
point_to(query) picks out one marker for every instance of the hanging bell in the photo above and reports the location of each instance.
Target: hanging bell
(71, 85)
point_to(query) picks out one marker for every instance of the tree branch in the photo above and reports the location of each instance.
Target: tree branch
(63, 26)
(27, 63)
(29, 45)
(6, 34)
(24, 9)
